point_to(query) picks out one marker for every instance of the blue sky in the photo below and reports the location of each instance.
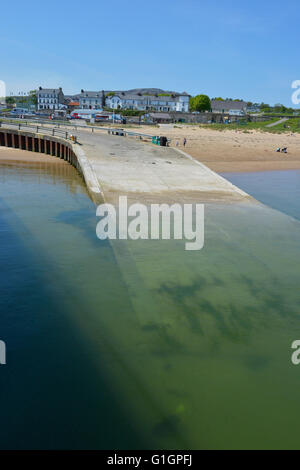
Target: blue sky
(231, 48)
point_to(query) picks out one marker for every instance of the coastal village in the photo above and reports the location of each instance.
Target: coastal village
(139, 105)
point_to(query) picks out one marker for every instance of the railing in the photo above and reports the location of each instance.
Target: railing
(58, 124)
(38, 128)
(55, 128)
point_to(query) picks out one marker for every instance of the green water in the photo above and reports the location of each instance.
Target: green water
(277, 189)
(141, 344)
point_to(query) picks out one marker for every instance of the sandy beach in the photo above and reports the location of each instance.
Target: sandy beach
(11, 155)
(233, 151)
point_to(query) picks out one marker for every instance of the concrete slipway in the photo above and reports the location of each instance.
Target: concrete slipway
(144, 172)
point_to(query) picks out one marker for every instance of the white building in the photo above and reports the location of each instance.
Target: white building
(163, 102)
(90, 99)
(50, 99)
(232, 107)
(142, 99)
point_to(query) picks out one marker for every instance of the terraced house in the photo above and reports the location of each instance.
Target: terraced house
(50, 99)
(231, 107)
(90, 99)
(142, 99)
(148, 99)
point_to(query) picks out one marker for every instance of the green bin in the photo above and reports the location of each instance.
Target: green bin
(156, 140)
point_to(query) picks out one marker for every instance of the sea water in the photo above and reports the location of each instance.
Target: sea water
(141, 344)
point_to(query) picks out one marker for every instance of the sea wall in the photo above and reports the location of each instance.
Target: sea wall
(57, 147)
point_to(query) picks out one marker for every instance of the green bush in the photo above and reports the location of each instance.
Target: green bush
(200, 103)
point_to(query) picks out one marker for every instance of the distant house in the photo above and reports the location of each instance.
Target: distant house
(73, 105)
(238, 108)
(159, 117)
(114, 101)
(50, 99)
(254, 108)
(90, 99)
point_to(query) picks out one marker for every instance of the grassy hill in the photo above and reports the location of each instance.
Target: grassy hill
(291, 125)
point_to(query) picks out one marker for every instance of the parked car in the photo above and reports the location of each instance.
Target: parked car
(18, 112)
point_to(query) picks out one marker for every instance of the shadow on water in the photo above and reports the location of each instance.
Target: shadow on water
(81, 220)
(54, 392)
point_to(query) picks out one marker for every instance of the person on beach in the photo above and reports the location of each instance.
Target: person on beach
(284, 150)
(184, 142)
(177, 143)
(278, 149)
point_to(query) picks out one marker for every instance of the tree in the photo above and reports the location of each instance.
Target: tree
(279, 108)
(10, 100)
(200, 103)
(265, 108)
(32, 97)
